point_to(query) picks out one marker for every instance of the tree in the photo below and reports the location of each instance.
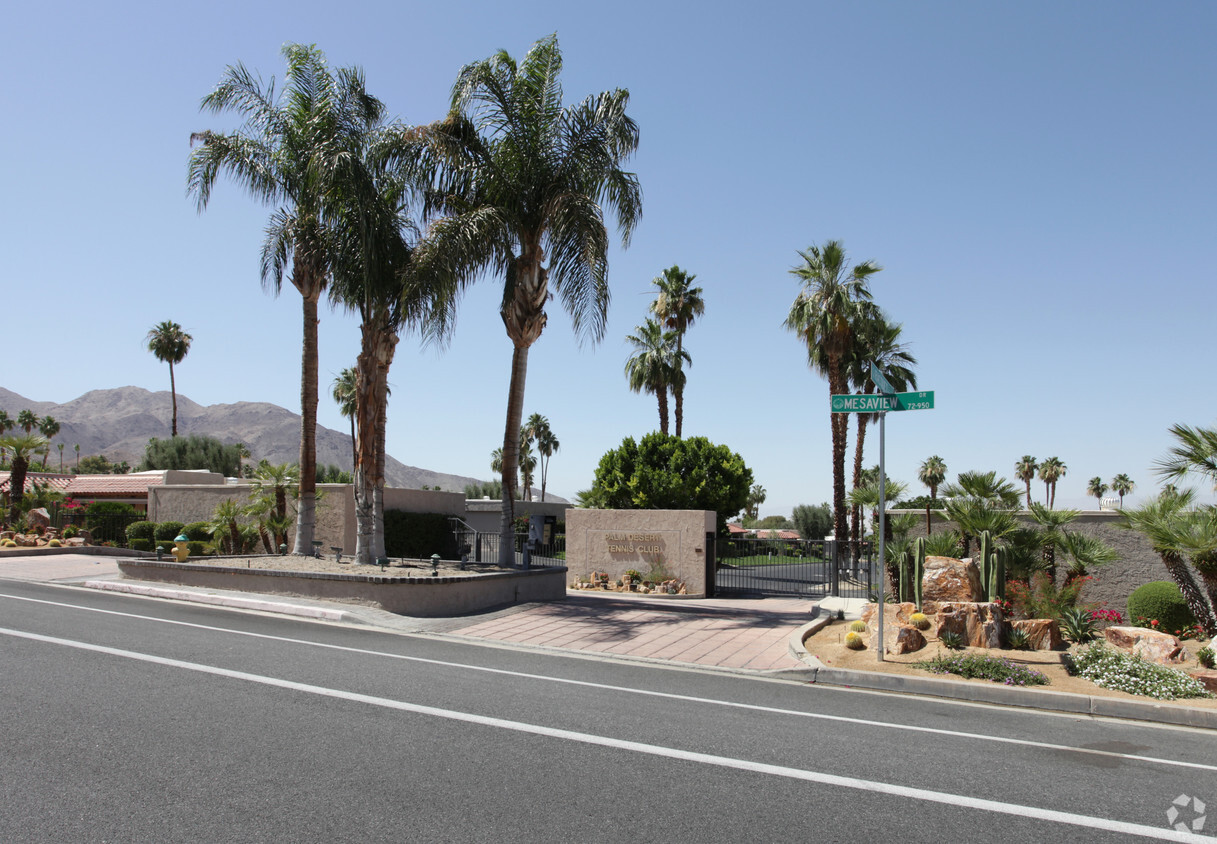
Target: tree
(756, 497)
(284, 155)
(22, 446)
(97, 464)
(343, 392)
(547, 444)
(1051, 471)
(273, 484)
(193, 452)
(932, 473)
(1122, 485)
(653, 367)
(812, 522)
(77, 449)
(1194, 453)
(664, 472)
(528, 465)
(824, 315)
(1024, 470)
(677, 307)
(523, 179)
(1051, 524)
(1097, 489)
(48, 427)
(169, 344)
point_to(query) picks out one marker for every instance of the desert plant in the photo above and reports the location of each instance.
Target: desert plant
(919, 621)
(1077, 624)
(1112, 669)
(857, 626)
(1042, 598)
(1018, 639)
(945, 544)
(1206, 657)
(951, 640)
(984, 667)
(854, 641)
(1161, 600)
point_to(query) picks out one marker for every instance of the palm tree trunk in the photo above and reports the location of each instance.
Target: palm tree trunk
(306, 517)
(387, 349)
(16, 483)
(173, 394)
(857, 511)
(511, 453)
(1196, 601)
(840, 432)
(678, 392)
(662, 395)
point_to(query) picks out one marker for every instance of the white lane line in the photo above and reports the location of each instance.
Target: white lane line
(957, 800)
(771, 710)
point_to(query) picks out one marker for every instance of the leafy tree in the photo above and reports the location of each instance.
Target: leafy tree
(193, 452)
(664, 472)
(1097, 489)
(775, 523)
(522, 180)
(812, 521)
(932, 473)
(169, 344)
(824, 315)
(1024, 470)
(654, 367)
(1122, 485)
(97, 464)
(288, 153)
(332, 474)
(22, 447)
(678, 306)
(1051, 471)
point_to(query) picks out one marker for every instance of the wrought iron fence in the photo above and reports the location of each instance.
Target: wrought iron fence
(482, 547)
(793, 567)
(103, 528)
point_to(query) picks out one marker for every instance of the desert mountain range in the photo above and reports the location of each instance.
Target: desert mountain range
(118, 423)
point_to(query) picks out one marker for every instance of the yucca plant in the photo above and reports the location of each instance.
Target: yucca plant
(1077, 624)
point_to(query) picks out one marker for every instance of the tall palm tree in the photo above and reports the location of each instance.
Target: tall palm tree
(932, 473)
(1024, 470)
(170, 344)
(1051, 471)
(27, 421)
(282, 156)
(756, 497)
(1122, 485)
(22, 447)
(343, 392)
(525, 180)
(1097, 489)
(528, 465)
(824, 315)
(1194, 453)
(48, 427)
(678, 306)
(547, 444)
(654, 367)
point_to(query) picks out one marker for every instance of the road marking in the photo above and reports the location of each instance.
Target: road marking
(771, 710)
(946, 798)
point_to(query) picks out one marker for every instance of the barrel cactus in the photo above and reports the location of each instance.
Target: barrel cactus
(854, 641)
(857, 626)
(919, 620)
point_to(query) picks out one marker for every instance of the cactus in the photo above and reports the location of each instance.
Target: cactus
(854, 641)
(985, 542)
(903, 559)
(918, 569)
(919, 621)
(857, 626)
(997, 589)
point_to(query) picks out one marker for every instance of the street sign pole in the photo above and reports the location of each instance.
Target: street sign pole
(882, 530)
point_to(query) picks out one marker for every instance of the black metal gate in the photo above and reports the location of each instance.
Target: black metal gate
(801, 568)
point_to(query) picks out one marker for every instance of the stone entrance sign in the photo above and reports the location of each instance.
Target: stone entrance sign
(668, 542)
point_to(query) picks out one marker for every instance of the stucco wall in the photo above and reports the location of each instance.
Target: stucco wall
(485, 515)
(1136, 565)
(614, 541)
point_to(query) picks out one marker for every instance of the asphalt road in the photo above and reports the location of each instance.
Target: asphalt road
(131, 720)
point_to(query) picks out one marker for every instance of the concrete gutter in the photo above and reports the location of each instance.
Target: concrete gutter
(220, 599)
(983, 692)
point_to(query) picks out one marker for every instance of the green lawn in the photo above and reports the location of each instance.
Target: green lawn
(765, 560)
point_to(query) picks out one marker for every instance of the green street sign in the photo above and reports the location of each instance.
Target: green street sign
(881, 384)
(923, 400)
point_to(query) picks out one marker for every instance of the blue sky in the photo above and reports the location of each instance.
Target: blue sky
(1036, 179)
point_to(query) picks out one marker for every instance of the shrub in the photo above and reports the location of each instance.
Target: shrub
(857, 626)
(1161, 600)
(196, 532)
(108, 520)
(419, 535)
(985, 667)
(1112, 669)
(70, 532)
(1042, 598)
(1206, 657)
(854, 641)
(140, 530)
(1077, 624)
(140, 544)
(197, 549)
(168, 531)
(1107, 616)
(920, 621)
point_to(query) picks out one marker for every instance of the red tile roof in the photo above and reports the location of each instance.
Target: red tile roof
(59, 483)
(121, 486)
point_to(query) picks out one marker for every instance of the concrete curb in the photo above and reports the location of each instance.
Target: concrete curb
(1030, 698)
(220, 600)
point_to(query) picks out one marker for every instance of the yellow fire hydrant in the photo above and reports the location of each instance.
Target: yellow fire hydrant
(180, 549)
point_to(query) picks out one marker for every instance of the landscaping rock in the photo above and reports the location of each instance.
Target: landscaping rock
(893, 614)
(982, 625)
(948, 579)
(1043, 634)
(38, 517)
(1150, 645)
(1206, 676)
(899, 639)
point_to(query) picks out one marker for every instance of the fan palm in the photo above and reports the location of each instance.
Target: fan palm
(48, 427)
(824, 315)
(1194, 452)
(1024, 470)
(343, 392)
(654, 367)
(677, 306)
(22, 447)
(169, 344)
(1097, 489)
(932, 473)
(524, 180)
(1051, 524)
(27, 420)
(1051, 471)
(1122, 485)
(281, 156)
(547, 444)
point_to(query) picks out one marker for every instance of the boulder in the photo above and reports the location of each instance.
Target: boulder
(1150, 645)
(893, 614)
(898, 639)
(982, 625)
(38, 517)
(948, 579)
(1206, 676)
(1043, 634)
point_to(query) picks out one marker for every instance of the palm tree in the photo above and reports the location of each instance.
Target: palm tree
(824, 315)
(1024, 470)
(528, 465)
(1194, 453)
(1051, 524)
(756, 497)
(932, 473)
(1097, 489)
(272, 485)
(525, 180)
(60, 447)
(27, 420)
(1050, 471)
(677, 306)
(343, 392)
(77, 448)
(169, 344)
(22, 446)
(654, 367)
(1122, 485)
(540, 432)
(48, 427)
(282, 155)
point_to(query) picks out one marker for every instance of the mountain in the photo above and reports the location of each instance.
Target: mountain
(119, 422)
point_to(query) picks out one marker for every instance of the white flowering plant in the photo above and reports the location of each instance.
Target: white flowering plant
(1124, 672)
